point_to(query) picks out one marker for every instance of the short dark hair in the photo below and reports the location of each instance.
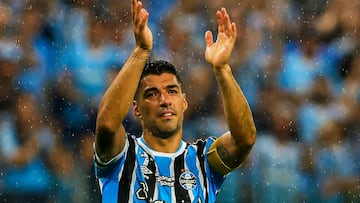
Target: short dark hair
(157, 67)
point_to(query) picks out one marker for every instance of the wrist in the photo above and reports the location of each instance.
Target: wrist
(222, 72)
(221, 69)
(140, 53)
(139, 49)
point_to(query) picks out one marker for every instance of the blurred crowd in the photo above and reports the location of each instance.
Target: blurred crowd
(297, 61)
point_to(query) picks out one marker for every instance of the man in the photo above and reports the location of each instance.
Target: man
(159, 166)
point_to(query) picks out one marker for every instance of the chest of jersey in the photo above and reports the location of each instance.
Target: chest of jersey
(167, 178)
(143, 175)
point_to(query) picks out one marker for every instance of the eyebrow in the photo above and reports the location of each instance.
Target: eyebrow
(150, 89)
(172, 86)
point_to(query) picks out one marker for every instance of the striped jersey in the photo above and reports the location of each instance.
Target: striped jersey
(140, 174)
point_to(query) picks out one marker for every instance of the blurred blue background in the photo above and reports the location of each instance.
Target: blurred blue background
(297, 62)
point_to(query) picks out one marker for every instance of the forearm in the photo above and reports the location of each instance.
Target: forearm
(237, 111)
(119, 96)
(116, 103)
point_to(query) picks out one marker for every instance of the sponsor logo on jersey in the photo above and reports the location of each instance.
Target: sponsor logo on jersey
(166, 181)
(146, 171)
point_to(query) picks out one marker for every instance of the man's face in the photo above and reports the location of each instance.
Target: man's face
(160, 105)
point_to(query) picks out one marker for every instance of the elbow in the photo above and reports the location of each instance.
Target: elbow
(103, 136)
(244, 139)
(248, 138)
(103, 139)
(104, 133)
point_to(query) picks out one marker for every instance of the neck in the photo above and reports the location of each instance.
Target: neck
(167, 145)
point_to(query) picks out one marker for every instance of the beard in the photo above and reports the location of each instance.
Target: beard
(162, 132)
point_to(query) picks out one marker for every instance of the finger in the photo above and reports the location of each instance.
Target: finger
(133, 6)
(226, 21)
(144, 16)
(223, 11)
(233, 27)
(220, 21)
(138, 7)
(208, 38)
(137, 12)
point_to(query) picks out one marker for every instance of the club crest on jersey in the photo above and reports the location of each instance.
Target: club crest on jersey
(187, 180)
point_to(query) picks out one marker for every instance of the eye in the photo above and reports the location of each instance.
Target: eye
(173, 91)
(151, 94)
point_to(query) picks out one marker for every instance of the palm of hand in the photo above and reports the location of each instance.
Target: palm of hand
(144, 38)
(218, 54)
(140, 17)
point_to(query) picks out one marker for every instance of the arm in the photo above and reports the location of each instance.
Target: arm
(233, 146)
(117, 100)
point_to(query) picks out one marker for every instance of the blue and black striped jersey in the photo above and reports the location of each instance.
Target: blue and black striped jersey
(140, 174)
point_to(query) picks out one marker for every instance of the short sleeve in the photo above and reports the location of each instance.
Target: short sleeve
(103, 169)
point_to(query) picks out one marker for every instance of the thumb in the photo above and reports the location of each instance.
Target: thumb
(208, 38)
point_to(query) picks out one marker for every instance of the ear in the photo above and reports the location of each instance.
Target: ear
(136, 110)
(185, 102)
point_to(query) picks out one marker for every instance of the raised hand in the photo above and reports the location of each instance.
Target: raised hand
(217, 54)
(140, 17)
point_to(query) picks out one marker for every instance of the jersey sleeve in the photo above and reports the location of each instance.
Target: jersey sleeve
(216, 178)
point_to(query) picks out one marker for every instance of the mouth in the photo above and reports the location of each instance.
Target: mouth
(167, 114)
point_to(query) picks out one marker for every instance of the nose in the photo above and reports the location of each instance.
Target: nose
(165, 99)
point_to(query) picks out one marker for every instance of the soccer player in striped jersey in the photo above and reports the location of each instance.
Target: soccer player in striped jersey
(159, 166)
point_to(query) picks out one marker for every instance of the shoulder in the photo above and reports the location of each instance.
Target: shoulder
(202, 141)
(202, 144)
(202, 147)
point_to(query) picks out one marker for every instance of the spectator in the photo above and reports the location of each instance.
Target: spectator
(333, 162)
(276, 173)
